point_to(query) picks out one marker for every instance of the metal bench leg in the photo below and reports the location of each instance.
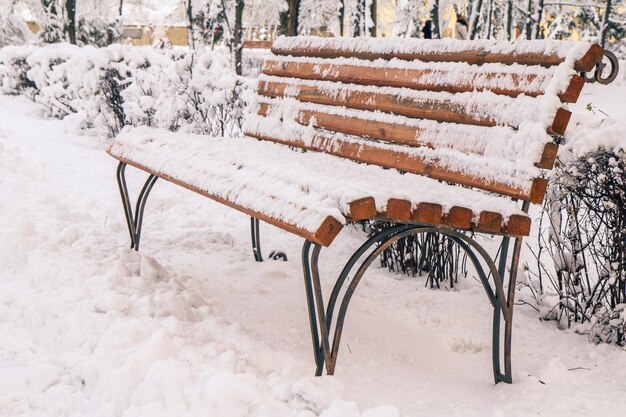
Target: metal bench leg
(255, 237)
(134, 223)
(325, 350)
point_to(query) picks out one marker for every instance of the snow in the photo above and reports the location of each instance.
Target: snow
(529, 79)
(243, 171)
(563, 49)
(193, 326)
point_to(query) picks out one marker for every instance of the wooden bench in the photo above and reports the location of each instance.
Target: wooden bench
(476, 121)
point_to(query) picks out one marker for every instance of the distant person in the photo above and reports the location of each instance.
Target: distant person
(461, 27)
(427, 30)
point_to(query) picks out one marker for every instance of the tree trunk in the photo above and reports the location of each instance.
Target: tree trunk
(529, 21)
(477, 7)
(70, 26)
(358, 18)
(121, 6)
(605, 22)
(509, 19)
(341, 14)
(434, 18)
(190, 37)
(293, 14)
(373, 15)
(489, 19)
(237, 41)
(537, 34)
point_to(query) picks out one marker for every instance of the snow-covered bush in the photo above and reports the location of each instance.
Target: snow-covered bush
(102, 89)
(580, 275)
(13, 30)
(98, 31)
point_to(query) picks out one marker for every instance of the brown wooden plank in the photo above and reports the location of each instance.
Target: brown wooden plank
(400, 159)
(538, 190)
(249, 44)
(324, 235)
(518, 225)
(572, 92)
(387, 132)
(490, 222)
(548, 156)
(561, 120)
(427, 213)
(417, 79)
(460, 217)
(397, 210)
(471, 55)
(362, 209)
(590, 59)
(427, 108)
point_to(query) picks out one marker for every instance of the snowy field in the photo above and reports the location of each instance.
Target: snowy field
(192, 326)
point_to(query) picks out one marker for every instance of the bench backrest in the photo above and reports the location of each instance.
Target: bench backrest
(480, 114)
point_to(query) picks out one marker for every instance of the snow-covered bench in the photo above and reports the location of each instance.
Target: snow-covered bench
(475, 120)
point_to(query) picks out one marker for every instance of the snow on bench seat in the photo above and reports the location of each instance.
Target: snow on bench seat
(310, 194)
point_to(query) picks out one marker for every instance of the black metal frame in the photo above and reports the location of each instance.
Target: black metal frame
(134, 223)
(321, 319)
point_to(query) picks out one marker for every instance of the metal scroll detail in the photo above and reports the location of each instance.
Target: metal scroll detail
(599, 74)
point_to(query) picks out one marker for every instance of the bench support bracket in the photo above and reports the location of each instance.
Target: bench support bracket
(321, 318)
(255, 238)
(134, 223)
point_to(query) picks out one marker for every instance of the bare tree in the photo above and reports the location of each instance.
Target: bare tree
(606, 21)
(373, 15)
(509, 19)
(190, 34)
(434, 18)
(70, 24)
(341, 14)
(529, 20)
(474, 20)
(537, 34)
(237, 40)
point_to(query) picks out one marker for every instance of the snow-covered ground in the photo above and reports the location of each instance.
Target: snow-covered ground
(191, 325)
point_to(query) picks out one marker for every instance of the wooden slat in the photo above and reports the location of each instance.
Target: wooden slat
(427, 108)
(417, 79)
(490, 222)
(427, 213)
(324, 235)
(518, 225)
(561, 120)
(460, 217)
(509, 83)
(257, 44)
(362, 209)
(471, 55)
(548, 156)
(403, 161)
(573, 90)
(387, 132)
(398, 210)
(430, 214)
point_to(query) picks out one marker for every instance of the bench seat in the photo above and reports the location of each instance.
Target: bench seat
(310, 194)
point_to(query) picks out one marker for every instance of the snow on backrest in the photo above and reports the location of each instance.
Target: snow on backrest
(479, 113)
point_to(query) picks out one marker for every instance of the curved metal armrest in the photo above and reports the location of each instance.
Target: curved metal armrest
(598, 75)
